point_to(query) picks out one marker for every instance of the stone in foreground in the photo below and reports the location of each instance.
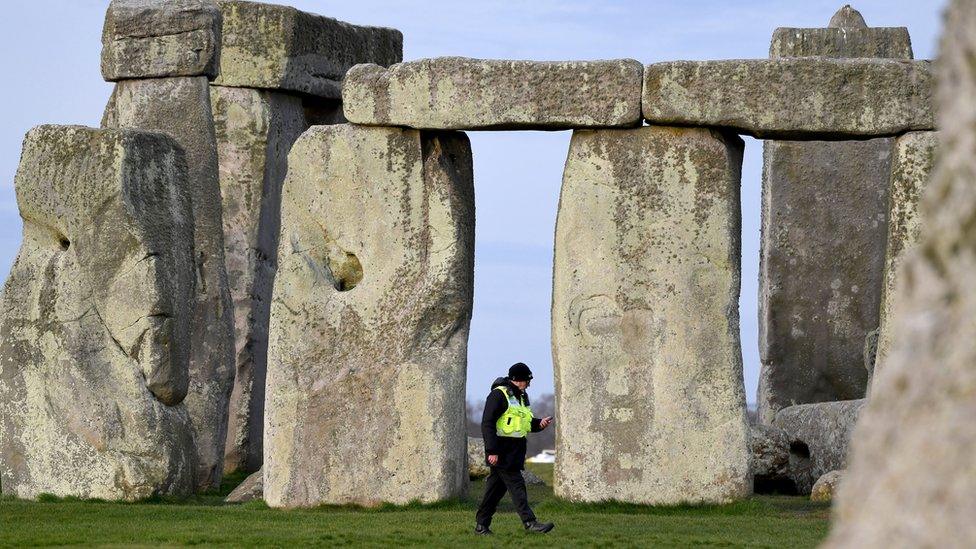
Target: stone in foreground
(645, 319)
(153, 39)
(180, 107)
(803, 98)
(819, 437)
(457, 93)
(376, 260)
(912, 476)
(912, 166)
(826, 486)
(821, 267)
(96, 319)
(278, 47)
(254, 129)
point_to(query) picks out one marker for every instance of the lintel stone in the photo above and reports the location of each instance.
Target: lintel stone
(486, 94)
(800, 98)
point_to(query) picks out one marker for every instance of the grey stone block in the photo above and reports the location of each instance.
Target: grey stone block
(819, 438)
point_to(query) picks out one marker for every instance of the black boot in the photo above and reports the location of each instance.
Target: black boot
(482, 530)
(540, 527)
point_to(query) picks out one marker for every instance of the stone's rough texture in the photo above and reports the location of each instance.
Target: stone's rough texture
(912, 166)
(477, 468)
(821, 267)
(819, 436)
(151, 39)
(847, 18)
(532, 479)
(462, 93)
(645, 319)
(255, 130)
(870, 352)
(95, 319)
(808, 98)
(180, 107)
(912, 476)
(251, 489)
(770, 462)
(376, 260)
(826, 486)
(279, 47)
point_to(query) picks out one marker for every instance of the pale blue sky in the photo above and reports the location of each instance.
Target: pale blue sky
(50, 54)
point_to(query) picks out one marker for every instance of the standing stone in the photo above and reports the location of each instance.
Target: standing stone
(645, 319)
(824, 232)
(458, 93)
(255, 130)
(912, 475)
(376, 260)
(819, 437)
(155, 38)
(180, 107)
(281, 48)
(912, 166)
(96, 318)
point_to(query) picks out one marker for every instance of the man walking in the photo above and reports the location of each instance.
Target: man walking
(504, 425)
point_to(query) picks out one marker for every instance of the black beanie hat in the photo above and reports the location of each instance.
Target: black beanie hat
(519, 372)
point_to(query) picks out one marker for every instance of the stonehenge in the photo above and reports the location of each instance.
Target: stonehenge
(272, 86)
(645, 319)
(263, 262)
(97, 319)
(912, 475)
(377, 260)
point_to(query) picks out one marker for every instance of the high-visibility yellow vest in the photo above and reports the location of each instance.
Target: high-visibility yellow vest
(516, 422)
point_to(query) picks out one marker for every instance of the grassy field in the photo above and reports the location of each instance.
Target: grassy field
(757, 522)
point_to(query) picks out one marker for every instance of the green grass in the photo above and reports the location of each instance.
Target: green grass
(755, 522)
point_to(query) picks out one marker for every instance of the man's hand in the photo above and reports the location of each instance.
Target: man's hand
(493, 460)
(545, 422)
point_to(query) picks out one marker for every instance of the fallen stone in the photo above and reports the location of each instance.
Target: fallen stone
(181, 108)
(912, 476)
(846, 36)
(376, 259)
(462, 93)
(279, 47)
(821, 201)
(803, 98)
(252, 488)
(96, 319)
(532, 479)
(819, 437)
(152, 39)
(254, 129)
(770, 462)
(477, 468)
(647, 360)
(912, 166)
(826, 486)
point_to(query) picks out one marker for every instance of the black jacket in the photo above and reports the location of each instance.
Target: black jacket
(510, 451)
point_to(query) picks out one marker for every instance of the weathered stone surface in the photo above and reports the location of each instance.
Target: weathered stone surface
(912, 476)
(819, 437)
(803, 98)
(477, 468)
(251, 489)
(912, 166)
(152, 38)
(846, 36)
(180, 107)
(770, 450)
(376, 260)
(826, 486)
(532, 479)
(462, 93)
(96, 317)
(821, 268)
(279, 47)
(254, 129)
(645, 319)
(870, 353)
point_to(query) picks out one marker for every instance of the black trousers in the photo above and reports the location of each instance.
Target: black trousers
(498, 482)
